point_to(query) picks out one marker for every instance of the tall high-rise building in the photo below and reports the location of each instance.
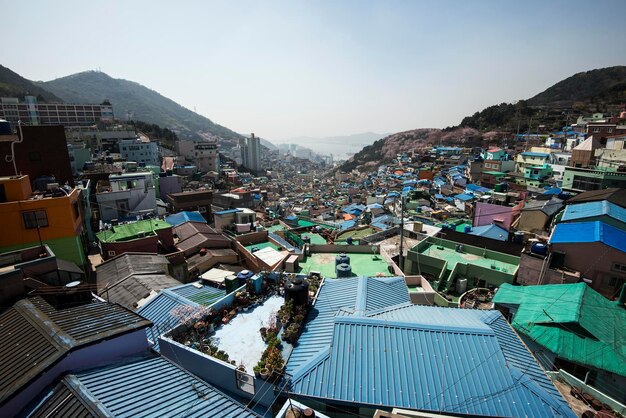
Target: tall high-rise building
(250, 152)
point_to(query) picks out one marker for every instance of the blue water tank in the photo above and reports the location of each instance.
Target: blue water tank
(539, 248)
(468, 229)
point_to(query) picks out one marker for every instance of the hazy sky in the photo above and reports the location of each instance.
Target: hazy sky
(320, 68)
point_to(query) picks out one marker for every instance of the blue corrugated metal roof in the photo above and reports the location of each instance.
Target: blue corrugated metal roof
(465, 197)
(592, 209)
(535, 154)
(492, 231)
(579, 232)
(153, 387)
(224, 212)
(185, 216)
(429, 358)
(159, 311)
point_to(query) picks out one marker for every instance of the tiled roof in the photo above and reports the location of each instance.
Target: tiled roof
(143, 387)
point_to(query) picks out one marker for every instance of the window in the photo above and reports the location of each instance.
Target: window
(111, 253)
(586, 183)
(202, 209)
(35, 218)
(609, 130)
(595, 130)
(619, 267)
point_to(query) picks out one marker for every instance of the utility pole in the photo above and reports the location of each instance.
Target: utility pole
(401, 258)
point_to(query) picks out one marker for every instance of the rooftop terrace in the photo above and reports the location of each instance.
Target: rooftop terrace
(369, 265)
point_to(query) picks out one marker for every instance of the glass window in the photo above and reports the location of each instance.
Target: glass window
(35, 218)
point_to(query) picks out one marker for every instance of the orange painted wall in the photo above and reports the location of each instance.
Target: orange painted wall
(62, 221)
(16, 188)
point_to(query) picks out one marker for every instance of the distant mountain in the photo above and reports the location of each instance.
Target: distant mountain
(14, 85)
(140, 102)
(340, 146)
(606, 85)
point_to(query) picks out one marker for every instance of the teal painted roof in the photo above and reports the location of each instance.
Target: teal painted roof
(571, 320)
(388, 352)
(147, 386)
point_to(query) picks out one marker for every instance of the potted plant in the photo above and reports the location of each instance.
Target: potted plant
(264, 373)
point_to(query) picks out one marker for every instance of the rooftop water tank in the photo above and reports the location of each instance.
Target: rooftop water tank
(297, 289)
(343, 271)
(342, 259)
(518, 237)
(539, 248)
(5, 127)
(468, 229)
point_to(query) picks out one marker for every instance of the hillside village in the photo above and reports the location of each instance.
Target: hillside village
(459, 272)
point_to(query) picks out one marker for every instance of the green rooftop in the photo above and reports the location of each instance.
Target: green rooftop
(369, 265)
(571, 320)
(315, 238)
(275, 228)
(261, 245)
(446, 262)
(356, 234)
(134, 230)
(495, 173)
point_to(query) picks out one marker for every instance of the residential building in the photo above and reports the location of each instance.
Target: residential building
(571, 327)
(488, 213)
(126, 196)
(536, 176)
(41, 153)
(133, 278)
(32, 112)
(241, 220)
(583, 155)
(199, 200)
(148, 236)
(206, 156)
(594, 249)
(602, 130)
(169, 184)
(52, 217)
(59, 340)
(447, 263)
(366, 347)
(603, 211)
(614, 195)
(586, 179)
(537, 214)
(140, 150)
(530, 159)
(250, 149)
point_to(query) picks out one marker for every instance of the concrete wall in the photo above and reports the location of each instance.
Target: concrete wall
(595, 260)
(222, 375)
(331, 248)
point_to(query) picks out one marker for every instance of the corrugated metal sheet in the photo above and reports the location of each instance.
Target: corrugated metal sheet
(159, 311)
(398, 364)
(61, 402)
(205, 295)
(34, 336)
(334, 295)
(593, 209)
(383, 292)
(132, 289)
(184, 216)
(580, 232)
(116, 269)
(148, 387)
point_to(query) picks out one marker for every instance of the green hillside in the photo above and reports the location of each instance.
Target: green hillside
(14, 85)
(141, 102)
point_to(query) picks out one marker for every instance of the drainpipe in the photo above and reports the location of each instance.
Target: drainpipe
(622, 296)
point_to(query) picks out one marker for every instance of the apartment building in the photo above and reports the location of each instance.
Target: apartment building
(31, 112)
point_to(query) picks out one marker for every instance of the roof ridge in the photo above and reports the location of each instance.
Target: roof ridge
(46, 326)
